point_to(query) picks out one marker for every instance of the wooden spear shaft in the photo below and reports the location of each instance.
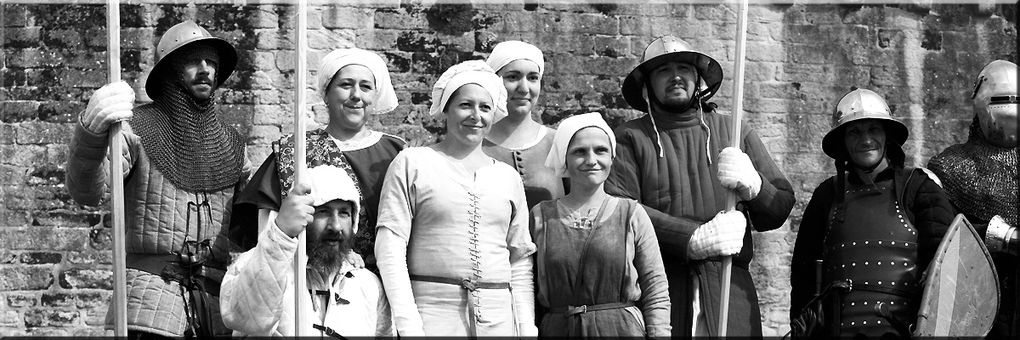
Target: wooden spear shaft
(731, 198)
(117, 179)
(300, 79)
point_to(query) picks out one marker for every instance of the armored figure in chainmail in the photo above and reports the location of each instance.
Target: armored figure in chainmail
(868, 233)
(980, 177)
(182, 168)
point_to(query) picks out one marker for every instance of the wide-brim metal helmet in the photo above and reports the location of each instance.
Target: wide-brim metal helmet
(666, 49)
(995, 103)
(857, 105)
(184, 34)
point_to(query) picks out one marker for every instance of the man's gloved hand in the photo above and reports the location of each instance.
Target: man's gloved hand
(109, 104)
(722, 236)
(296, 211)
(738, 174)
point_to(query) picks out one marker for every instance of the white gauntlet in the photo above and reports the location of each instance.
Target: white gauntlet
(722, 236)
(738, 174)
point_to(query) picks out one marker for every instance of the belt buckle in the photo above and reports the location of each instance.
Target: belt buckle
(468, 284)
(574, 310)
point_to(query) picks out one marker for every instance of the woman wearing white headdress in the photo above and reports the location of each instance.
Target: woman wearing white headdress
(518, 140)
(598, 267)
(354, 84)
(453, 246)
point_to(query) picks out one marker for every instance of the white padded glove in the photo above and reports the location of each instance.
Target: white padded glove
(722, 236)
(296, 211)
(109, 104)
(738, 174)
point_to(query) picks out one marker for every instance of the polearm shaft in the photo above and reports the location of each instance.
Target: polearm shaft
(731, 197)
(300, 79)
(117, 178)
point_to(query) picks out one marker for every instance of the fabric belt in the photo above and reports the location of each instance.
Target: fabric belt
(465, 283)
(574, 310)
(168, 267)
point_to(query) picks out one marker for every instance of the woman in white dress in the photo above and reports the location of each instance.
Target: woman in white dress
(453, 246)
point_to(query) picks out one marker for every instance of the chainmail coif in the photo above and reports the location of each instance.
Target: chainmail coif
(979, 177)
(185, 141)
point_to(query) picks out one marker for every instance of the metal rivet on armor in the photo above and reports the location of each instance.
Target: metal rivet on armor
(879, 322)
(854, 243)
(865, 302)
(853, 264)
(893, 283)
(853, 303)
(865, 242)
(894, 243)
(879, 282)
(864, 322)
(843, 266)
(879, 263)
(852, 323)
(880, 242)
(892, 302)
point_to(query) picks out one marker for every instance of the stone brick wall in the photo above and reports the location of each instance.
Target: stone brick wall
(54, 254)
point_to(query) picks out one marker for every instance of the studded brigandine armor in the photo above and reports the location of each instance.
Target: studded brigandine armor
(872, 244)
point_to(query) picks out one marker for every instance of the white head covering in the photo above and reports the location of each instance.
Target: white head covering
(385, 97)
(469, 72)
(329, 183)
(557, 158)
(508, 51)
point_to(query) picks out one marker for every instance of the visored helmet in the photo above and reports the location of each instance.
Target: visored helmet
(995, 103)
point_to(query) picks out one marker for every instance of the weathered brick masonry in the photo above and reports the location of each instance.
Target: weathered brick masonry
(55, 264)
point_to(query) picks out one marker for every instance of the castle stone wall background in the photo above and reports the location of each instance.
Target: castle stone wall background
(55, 276)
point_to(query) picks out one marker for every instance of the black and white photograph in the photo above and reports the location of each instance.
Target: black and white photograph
(194, 169)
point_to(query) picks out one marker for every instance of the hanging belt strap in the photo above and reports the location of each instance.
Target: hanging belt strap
(328, 331)
(574, 310)
(465, 283)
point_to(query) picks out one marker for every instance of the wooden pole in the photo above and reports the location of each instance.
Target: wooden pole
(300, 71)
(117, 179)
(731, 198)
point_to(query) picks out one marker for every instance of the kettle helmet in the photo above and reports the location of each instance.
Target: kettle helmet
(184, 34)
(857, 105)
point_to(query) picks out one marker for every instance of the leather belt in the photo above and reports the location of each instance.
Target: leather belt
(574, 310)
(168, 267)
(465, 283)
(470, 286)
